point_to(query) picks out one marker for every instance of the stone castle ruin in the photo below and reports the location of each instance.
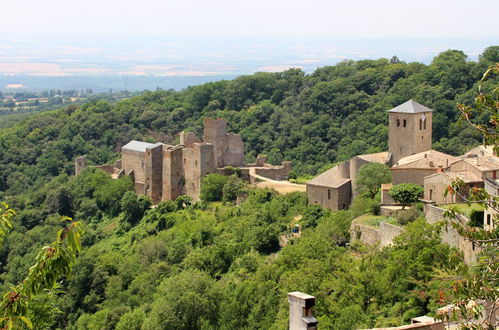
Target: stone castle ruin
(165, 172)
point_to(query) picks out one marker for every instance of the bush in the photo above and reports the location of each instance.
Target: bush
(406, 216)
(476, 218)
(212, 187)
(232, 188)
(363, 205)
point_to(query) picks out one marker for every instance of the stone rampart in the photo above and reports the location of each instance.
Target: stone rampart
(369, 235)
(278, 173)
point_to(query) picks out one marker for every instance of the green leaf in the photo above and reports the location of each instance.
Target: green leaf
(26, 321)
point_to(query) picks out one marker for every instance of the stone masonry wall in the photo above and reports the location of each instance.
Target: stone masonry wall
(134, 161)
(215, 132)
(387, 233)
(450, 236)
(382, 235)
(154, 173)
(173, 172)
(275, 172)
(366, 234)
(234, 150)
(413, 175)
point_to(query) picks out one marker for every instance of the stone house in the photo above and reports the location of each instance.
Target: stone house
(335, 188)
(436, 184)
(416, 167)
(492, 188)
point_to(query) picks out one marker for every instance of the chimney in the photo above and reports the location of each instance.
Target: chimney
(300, 311)
(440, 169)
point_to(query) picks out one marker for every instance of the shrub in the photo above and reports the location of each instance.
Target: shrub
(476, 218)
(406, 216)
(212, 187)
(232, 188)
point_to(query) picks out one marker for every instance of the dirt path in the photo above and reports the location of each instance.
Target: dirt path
(282, 187)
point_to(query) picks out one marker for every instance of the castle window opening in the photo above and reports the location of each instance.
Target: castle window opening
(405, 123)
(329, 194)
(424, 124)
(398, 122)
(142, 164)
(488, 219)
(421, 124)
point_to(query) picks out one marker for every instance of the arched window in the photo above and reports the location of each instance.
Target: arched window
(398, 122)
(405, 123)
(420, 124)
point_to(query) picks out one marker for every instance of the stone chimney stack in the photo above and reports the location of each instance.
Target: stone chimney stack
(300, 311)
(440, 169)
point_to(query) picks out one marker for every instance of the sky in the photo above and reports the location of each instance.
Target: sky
(252, 18)
(171, 38)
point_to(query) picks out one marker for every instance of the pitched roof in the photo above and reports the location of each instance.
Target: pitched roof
(426, 159)
(481, 151)
(139, 145)
(380, 157)
(484, 164)
(331, 178)
(466, 176)
(410, 107)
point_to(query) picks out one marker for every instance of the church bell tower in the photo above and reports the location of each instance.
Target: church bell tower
(409, 130)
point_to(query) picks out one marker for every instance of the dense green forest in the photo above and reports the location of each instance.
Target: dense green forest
(214, 265)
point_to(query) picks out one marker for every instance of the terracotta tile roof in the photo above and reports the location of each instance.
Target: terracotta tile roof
(481, 150)
(410, 107)
(466, 176)
(425, 160)
(380, 157)
(330, 178)
(484, 164)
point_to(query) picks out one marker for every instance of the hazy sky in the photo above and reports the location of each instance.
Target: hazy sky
(250, 18)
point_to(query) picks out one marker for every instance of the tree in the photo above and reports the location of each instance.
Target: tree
(232, 188)
(406, 193)
(6, 215)
(52, 263)
(478, 288)
(212, 187)
(371, 176)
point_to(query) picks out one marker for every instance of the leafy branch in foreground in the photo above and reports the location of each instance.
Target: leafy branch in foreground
(52, 263)
(6, 215)
(478, 291)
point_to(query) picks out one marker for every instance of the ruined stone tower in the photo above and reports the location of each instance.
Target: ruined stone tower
(409, 129)
(229, 149)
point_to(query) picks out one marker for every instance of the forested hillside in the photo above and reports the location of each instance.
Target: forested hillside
(314, 120)
(210, 265)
